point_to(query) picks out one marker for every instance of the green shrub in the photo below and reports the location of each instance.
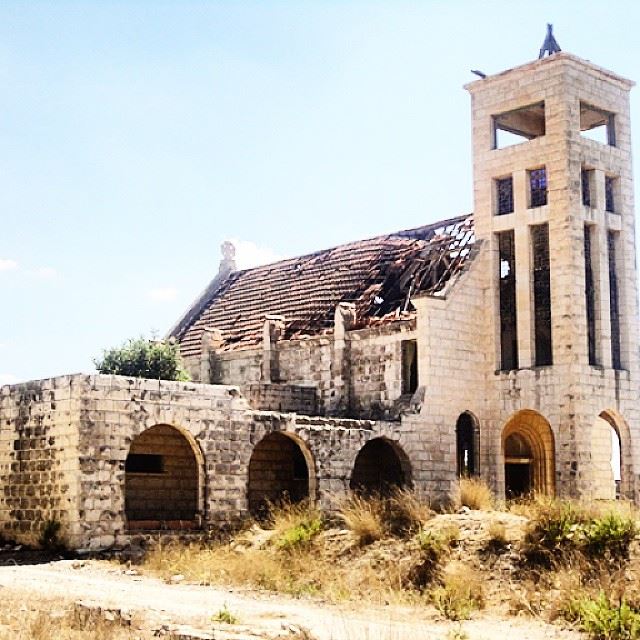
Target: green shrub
(612, 534)
(300, 535)
(603, 619)
(225, 616)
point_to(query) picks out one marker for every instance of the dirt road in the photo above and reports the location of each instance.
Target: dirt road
(111, 586)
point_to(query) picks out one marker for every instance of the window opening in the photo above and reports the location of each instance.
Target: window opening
(507, 291)
(597, 124)
(409, 366)
(144, 463)
(519, 125)
(541, 295)
(586, 187)
(466, 446)
(590, 296)
(538, 187)
(504, 192)
(609, 195)
(614, 302)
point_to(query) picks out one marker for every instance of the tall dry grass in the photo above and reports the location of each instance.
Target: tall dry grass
(474, 493)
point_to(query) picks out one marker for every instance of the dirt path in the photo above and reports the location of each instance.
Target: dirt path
(191, 604)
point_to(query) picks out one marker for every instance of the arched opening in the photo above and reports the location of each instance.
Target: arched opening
(529, 455)
(380, 467)
(610, 457)
(467, 449)
(161, 486)
(280, 470)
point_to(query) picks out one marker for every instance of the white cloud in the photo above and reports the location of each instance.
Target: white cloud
(44, 273)
(8, 378)
(249, 254)
(7, 265)
(162, 294)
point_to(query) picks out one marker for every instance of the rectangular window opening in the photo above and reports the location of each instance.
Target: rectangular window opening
(610, 194)
(507, 292)
(597, 124)
(504, 195)
(541, 294)
(614, 302)
(537, 187)
(585, 183)
(590, 296)
(519, 125)
(409, 366)
(144, 463)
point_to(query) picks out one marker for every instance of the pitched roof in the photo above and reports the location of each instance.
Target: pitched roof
(378, 275)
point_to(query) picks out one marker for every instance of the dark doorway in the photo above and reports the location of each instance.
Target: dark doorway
(517, 478)
(278, 472)
(380, 467)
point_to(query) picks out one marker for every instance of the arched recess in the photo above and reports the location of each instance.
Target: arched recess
(529, 455)
(380, 466)
(467, 445)
(164, 480)
(281, 469)
(611, 456)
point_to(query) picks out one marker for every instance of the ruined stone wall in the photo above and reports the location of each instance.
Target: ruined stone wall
(38, 459)
(287, 398)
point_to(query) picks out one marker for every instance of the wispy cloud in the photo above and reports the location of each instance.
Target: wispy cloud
(8, 265)
(249, 254)
(8, 378)
(162, 294)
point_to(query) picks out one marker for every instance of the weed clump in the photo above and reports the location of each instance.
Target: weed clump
(459, 594)
(474, 494)
(225, 616)
(604, 619)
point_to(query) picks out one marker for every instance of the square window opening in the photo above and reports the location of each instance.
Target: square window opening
(504, 195)
(597, 124)
(537, 187)
(519, 125)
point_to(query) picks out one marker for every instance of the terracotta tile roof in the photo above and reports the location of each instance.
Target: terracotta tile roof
(378, 275)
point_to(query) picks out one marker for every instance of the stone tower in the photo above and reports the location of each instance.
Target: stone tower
(553, 206)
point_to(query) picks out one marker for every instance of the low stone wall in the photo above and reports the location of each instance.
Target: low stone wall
(65, 442)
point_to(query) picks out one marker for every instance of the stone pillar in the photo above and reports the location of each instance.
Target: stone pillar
(211, 341)
(272, 331)
(344, 319)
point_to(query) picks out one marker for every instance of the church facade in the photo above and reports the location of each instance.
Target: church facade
(501, 344)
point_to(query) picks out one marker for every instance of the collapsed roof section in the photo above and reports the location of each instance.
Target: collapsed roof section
(379, 276)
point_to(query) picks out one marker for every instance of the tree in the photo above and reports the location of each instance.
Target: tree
(142, 358)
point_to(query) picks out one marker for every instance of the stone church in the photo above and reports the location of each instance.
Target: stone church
(501, 344)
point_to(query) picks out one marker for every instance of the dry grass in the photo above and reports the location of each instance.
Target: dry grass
(53, 620)
(364, 518)
(475, 494)
(460, 593)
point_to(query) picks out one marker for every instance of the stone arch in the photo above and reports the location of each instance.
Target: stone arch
(467, 445)
(609, 427)
(528, 449)
(380, 466)
(281, 468)
(164, 479)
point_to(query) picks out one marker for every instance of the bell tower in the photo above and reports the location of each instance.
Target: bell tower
(553, 204)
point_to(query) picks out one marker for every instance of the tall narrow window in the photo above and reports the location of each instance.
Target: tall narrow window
(466, 449)
(585, 179)
(614, 302)
(537, 187)
(609, 194)
(590, 296)
(504, 195)
(507, 288)
(409, 366)
(541, 294)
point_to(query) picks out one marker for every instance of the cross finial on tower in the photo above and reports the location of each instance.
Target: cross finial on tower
(550, 44)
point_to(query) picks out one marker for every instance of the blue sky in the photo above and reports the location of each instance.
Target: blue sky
(136, 136)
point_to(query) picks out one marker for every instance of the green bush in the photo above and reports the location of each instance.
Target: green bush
(603, 619)
(225, 616)
(142, 358)
(610, 534)
(300, 535)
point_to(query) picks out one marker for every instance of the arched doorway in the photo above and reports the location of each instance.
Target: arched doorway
(280, 469)
(162, 480)
(529, 455)
(380, 467)
(467, 449)
(611, 457)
